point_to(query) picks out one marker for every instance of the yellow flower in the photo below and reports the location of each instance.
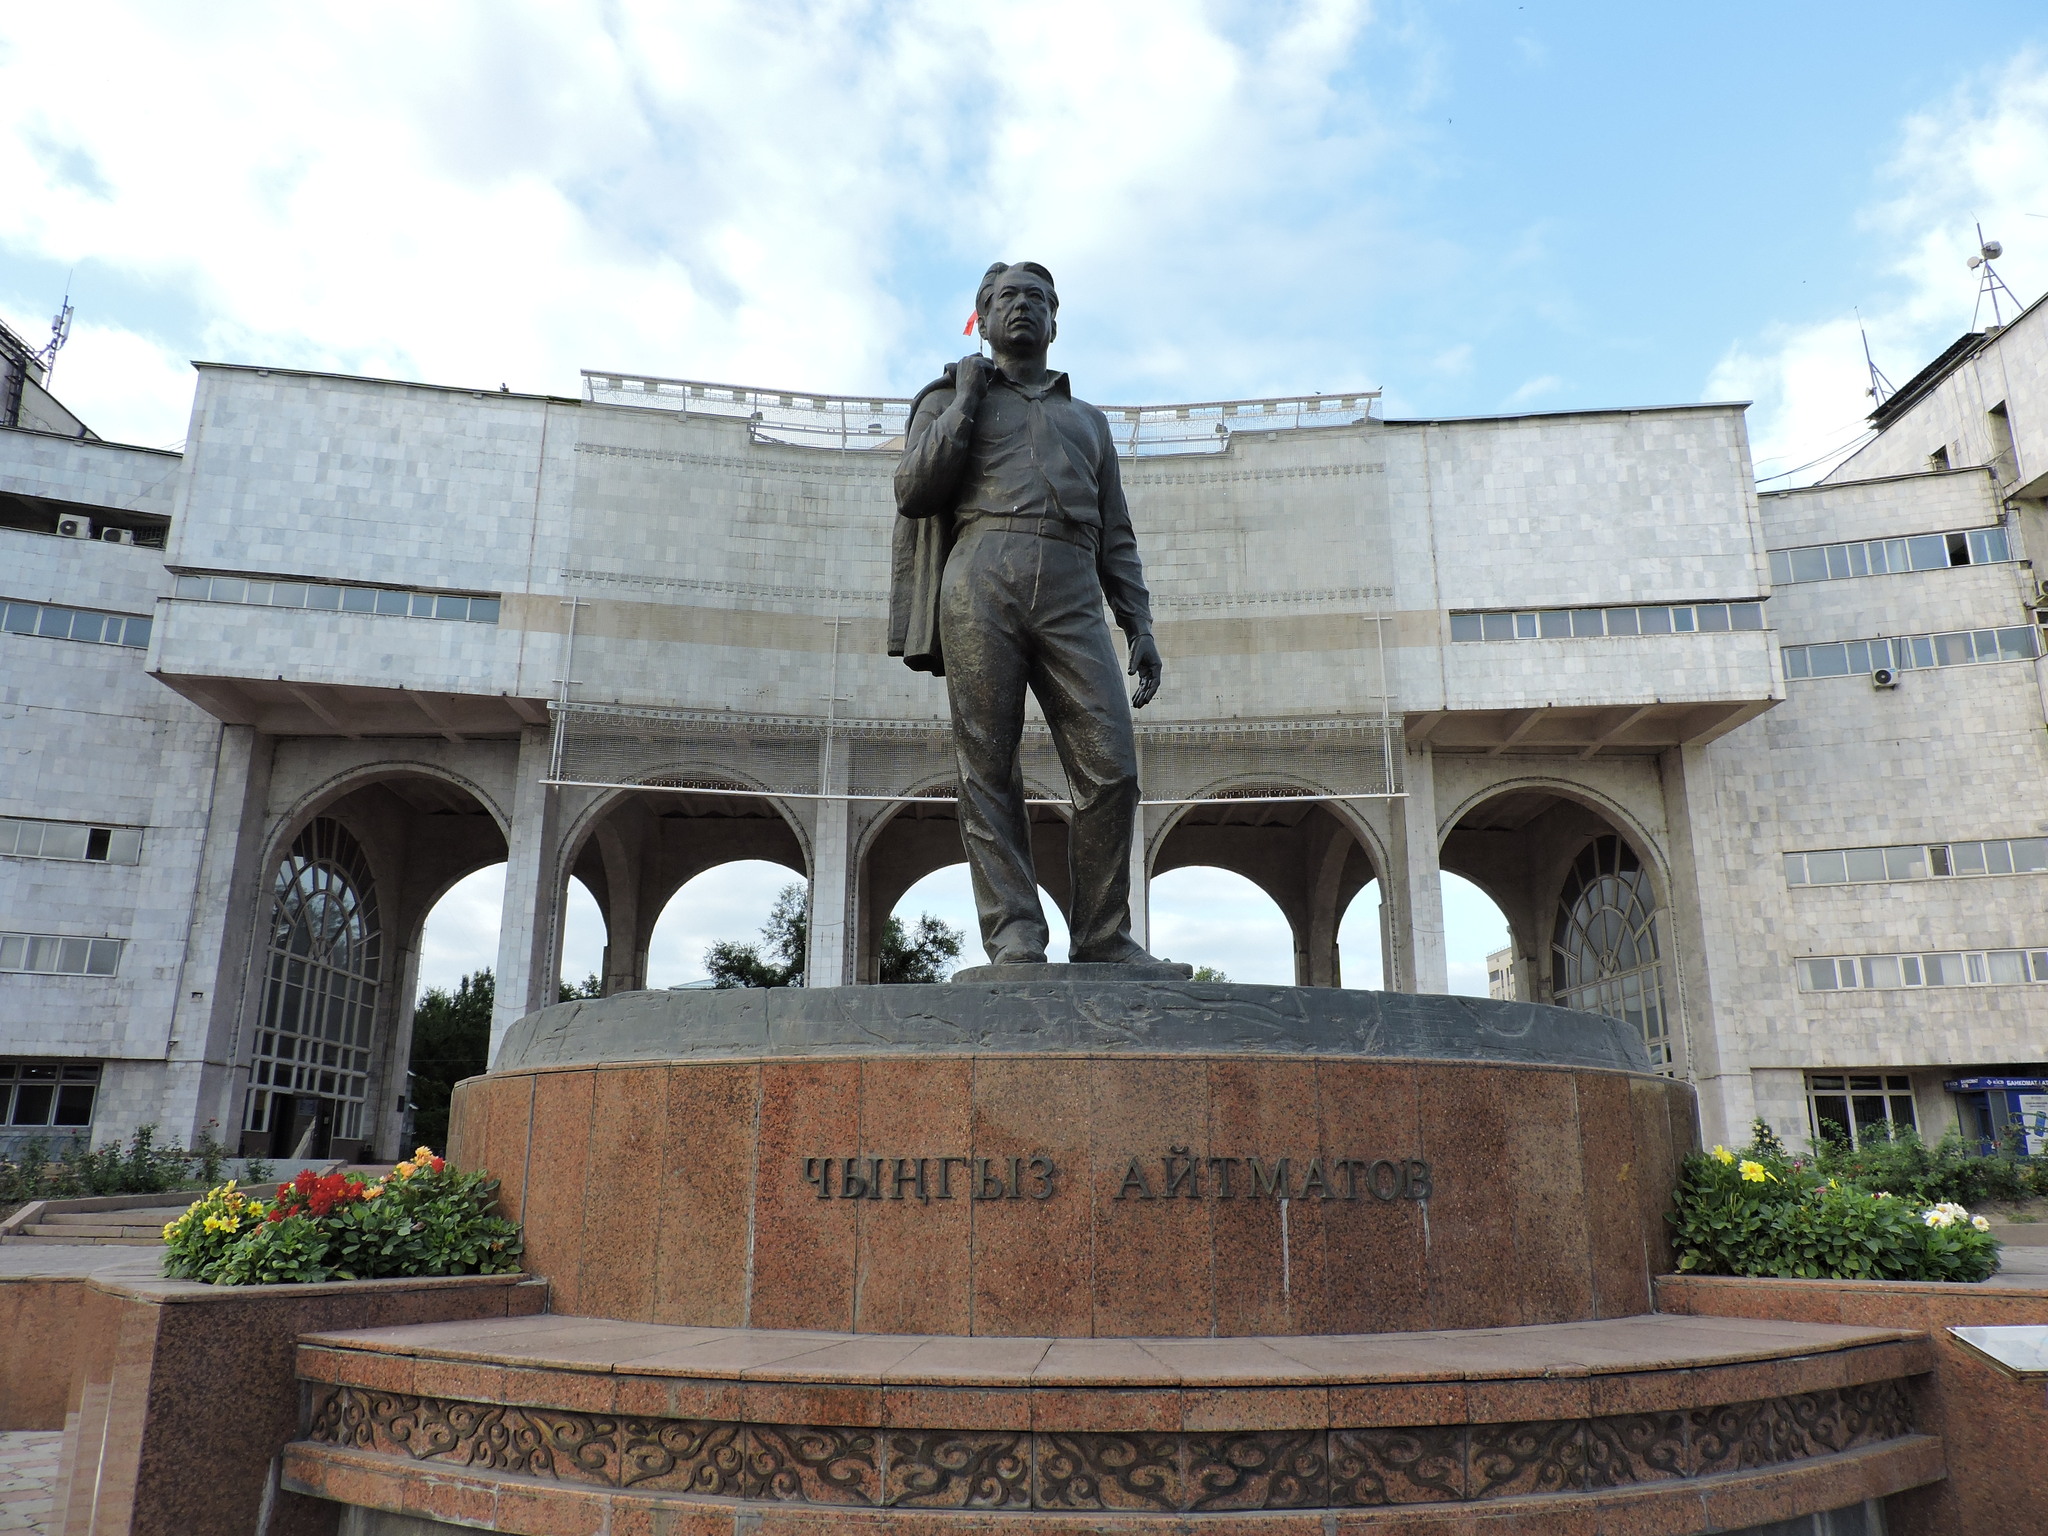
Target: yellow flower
(373, 1191)
(223, 1224)
(1722, 1154)
(171, 1228)
(1752, 1172)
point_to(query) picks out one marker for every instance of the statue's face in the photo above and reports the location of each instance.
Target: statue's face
(1020, 312)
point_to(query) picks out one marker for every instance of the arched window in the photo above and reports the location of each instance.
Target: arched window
(312, 1057)
(1604, 951)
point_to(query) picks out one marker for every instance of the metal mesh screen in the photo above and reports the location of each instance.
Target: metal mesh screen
(600, 745)
(806, 419)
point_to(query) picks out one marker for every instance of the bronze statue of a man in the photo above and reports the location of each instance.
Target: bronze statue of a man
(1012, 530)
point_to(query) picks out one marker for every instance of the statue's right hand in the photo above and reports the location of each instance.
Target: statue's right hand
(972, 376)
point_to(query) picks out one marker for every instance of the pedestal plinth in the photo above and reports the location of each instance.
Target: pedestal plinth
(1081, 1158)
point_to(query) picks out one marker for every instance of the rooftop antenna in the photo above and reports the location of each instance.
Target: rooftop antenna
(60, 332)
(1881, 388)
(1991, 285)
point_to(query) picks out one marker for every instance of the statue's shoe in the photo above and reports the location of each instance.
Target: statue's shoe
(1131, 953)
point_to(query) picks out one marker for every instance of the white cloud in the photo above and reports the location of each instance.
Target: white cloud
(140, 389)
(1981, 153)
(1536, 389)
(507, 191)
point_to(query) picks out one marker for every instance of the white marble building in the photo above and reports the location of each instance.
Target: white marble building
(363, 638)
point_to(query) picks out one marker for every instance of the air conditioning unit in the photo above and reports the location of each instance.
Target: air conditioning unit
(116, 536)
(1884, 677)
(74, 527)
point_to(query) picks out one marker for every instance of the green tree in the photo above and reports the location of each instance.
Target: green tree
(1208, 973)
(923, 953)
(778, 959)
(451, 1040)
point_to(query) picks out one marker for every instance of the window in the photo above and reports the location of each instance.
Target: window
(1957, 648)
(320, 995)
(1604, 947)
(48, 1093)
(1583, 623)
(1945, 968)
(1918, 861)
(1849, 1104)
(1886, 557)
(26, 839)
(56, 954)
(87, 624)
(402, 602)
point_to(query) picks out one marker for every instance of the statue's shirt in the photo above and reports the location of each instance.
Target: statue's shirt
(1035, 453)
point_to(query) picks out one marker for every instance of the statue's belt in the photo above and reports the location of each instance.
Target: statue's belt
(1063, 529)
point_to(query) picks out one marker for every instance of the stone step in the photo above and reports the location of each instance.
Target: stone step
(152, 1215)
(727, 1429)
(2021, 1234)
(78, 1232)
(72, 1240)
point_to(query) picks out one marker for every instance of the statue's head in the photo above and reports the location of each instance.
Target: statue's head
(1018, 305)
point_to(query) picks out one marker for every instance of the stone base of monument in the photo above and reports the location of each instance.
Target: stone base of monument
(1093, 1254)
(1636, 1425)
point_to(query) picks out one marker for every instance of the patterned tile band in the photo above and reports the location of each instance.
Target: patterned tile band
(1016, 1469)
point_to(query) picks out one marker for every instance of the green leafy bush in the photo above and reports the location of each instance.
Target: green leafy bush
(1895, 1158)
(424, 1219)
(1769, 1215)
(141, 1167)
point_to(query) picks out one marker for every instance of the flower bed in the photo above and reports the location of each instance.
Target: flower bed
(424, 1218)
(1769, 1215)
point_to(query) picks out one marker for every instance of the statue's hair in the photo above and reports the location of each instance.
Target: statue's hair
(985, 294)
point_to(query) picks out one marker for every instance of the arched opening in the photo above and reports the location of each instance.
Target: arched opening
(1605, 957)
(324, 969)
(948, 895)
(730, 902)
(358, 867)
(1362, 939)
(1307, 857)
(1579, 891)
(459, 935)
(1478, 952)
(1220, 920)
(643, 846)
(921, 838)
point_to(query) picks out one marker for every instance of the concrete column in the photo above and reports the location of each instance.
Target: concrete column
(1141, 884)
(625, 966)
(529, 934)
(1420, 939)
(831, 932)
(1320, 964)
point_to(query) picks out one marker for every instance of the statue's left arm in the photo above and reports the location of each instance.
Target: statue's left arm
(1122, 574)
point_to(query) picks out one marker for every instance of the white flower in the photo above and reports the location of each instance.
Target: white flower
(1937, 1217)
(1980, 1223)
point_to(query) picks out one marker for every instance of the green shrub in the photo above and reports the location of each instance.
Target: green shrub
(425, 1218)
(1895, 1158)
(139, 1168)
(1772, 1216)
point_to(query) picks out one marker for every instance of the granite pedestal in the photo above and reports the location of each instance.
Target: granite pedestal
(1081, 1158)
(1055, 1252)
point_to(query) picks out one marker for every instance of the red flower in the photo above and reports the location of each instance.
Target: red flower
(439, 1164)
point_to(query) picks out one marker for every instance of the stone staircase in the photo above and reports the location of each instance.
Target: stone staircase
(133, 1221)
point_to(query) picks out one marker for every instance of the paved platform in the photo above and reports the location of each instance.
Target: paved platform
(28, 1480)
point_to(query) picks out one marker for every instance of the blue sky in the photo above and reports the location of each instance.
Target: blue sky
(1476, 205)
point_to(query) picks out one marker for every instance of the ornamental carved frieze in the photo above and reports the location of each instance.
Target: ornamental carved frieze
(1166, 1472)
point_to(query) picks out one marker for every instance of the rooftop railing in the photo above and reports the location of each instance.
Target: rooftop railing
(861, 423)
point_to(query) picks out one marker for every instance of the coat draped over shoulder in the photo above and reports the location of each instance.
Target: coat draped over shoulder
(918, 547)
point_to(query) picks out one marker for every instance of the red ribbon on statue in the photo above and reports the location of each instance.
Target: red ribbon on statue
(968, 328)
